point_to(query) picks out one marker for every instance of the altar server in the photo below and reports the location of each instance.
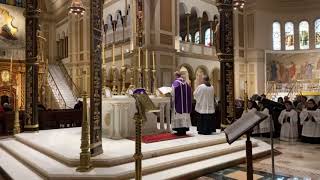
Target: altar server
(204, 96)
(310, 120)
(289, 123)
(264, 126)
(182, 106)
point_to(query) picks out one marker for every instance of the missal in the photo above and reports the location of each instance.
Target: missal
(243, 125)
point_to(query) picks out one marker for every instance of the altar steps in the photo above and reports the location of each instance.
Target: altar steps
(183, 164)
(12, 168)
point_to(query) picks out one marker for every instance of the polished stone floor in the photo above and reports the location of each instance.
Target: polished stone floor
(293, 161)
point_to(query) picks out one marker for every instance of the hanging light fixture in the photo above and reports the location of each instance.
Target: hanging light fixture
(238, 4)
(76, 7)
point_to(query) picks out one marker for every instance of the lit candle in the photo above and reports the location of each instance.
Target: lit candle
(146, 58)
(153, 61)
(113, 57)
(122, 56)
(139, 58)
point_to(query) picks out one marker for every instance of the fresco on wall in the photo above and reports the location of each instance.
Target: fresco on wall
(289, 67)
(12, 27)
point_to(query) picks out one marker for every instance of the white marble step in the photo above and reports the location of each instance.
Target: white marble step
(51, 168)
(15, 169)
(200, 168)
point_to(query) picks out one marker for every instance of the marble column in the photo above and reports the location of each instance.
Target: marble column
(226, 57)
(188, 27)
(114, 28)
(162, 105)
(96, 8)
(31, 95)
(200, 30)
(211, 33)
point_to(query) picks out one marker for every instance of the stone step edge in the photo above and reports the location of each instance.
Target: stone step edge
(124, 175)
(10, 176)
(123, 159)
(257, 152)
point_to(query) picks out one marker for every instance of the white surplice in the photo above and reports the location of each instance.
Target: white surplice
(310, 128)
(289, 130)
(204, 96)
(264, 126)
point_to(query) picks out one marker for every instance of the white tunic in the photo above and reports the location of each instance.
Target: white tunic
(264, 126)
(204, 95)
(289, 130)
(310, 128)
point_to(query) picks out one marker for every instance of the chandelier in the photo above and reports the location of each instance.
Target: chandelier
(238, 4)
(76, 7)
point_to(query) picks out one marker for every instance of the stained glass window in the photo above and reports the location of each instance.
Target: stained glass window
(317, 33)
(304, 35)
(197, 37)
(190, 38)
(289, 34)
(276, 36)
(207, 40)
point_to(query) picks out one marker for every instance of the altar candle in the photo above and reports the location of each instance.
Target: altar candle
(11, 63)
(146, 58)
(122, 56)
(113, 57)
(103, 58)
(139, 58)
(153, 61)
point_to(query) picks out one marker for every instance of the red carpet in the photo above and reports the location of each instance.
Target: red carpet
(160, 137)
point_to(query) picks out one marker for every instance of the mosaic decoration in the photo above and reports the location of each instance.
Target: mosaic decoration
(96, 77)
(226, 57)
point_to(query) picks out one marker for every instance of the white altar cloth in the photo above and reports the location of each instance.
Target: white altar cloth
(118, 112)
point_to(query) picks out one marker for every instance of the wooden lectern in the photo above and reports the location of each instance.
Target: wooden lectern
(242, 126)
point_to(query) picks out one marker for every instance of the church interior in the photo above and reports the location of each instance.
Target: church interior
(160, 89)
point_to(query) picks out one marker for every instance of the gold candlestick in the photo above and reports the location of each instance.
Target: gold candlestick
(154, 76)
(114, 86)
(16, 128)
(85, 162)
(123, 73)
(147, 80)
(132, 69)
(139, 77)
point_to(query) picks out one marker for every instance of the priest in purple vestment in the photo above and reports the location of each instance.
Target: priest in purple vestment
(182, 105)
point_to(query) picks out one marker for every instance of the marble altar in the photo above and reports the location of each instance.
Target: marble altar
(118, 112)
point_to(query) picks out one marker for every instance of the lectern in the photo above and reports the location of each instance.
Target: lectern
(242, 126)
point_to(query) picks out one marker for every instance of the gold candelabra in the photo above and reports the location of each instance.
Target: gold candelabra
(16, 128)
(114, 86)
(154, 75)
(139, 77)
(85, 164)
(123, 74)
(132, 69)
(138, 154)
(146, 70)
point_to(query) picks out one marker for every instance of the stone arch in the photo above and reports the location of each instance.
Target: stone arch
(199, 73)
(183, 6)
(197, 11)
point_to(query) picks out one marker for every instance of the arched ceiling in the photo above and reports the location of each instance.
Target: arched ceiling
(285, 5)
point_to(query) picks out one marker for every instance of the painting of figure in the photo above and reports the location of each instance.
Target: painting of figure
(290, 67)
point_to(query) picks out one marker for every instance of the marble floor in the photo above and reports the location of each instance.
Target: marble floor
(293, 161)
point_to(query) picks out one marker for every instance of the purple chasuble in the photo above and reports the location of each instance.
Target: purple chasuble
(182, 96)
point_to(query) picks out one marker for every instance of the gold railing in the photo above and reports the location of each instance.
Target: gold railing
(56, 92)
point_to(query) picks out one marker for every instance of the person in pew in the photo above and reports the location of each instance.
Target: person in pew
(204, 96)
(310, 121)
(289, 123)
(181, 105)
(78, 105)
(264, 126)
(7, 107)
